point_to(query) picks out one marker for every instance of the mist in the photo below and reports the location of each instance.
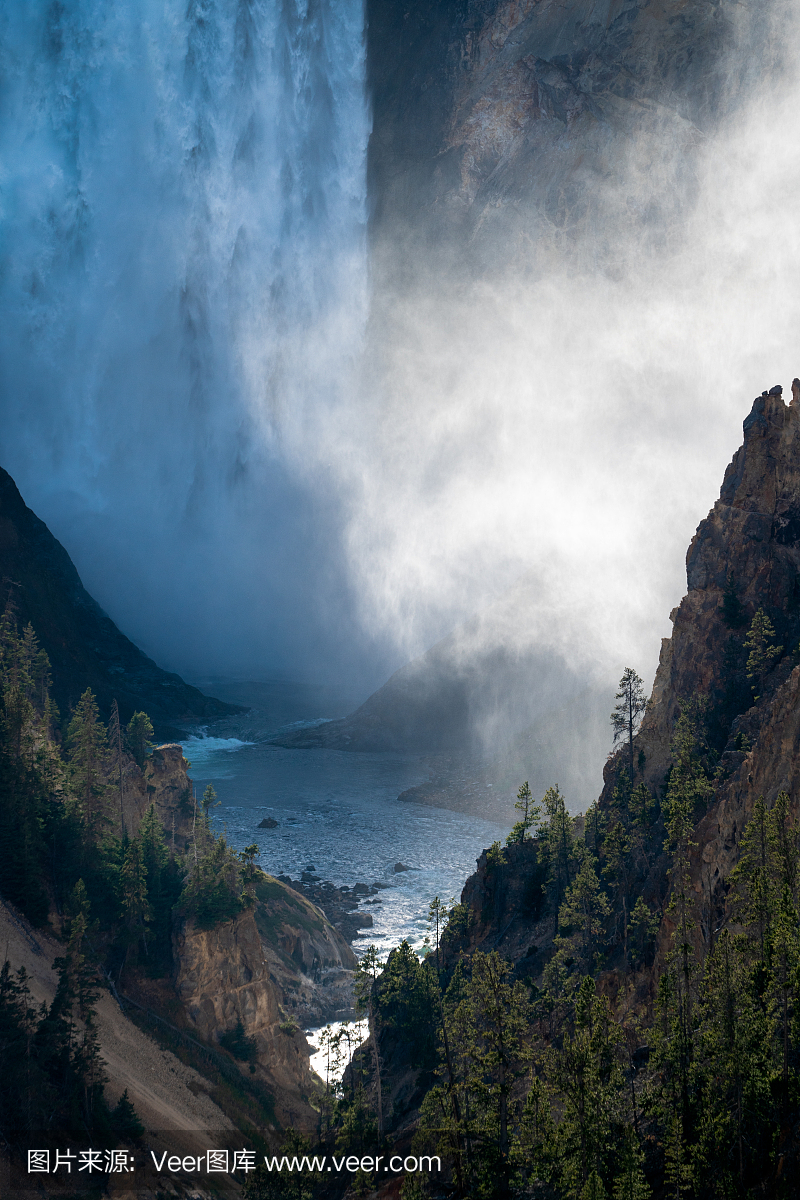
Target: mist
(553, 429)
(259, 465)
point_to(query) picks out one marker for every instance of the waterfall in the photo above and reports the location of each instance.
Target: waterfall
(183, 293)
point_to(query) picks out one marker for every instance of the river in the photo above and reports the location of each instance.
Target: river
(338, 814)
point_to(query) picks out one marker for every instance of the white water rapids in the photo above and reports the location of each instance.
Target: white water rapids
(183, 289)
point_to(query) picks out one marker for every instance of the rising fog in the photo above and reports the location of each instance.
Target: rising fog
(253, 479)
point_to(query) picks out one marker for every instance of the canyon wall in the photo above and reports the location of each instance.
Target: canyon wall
(502, 117)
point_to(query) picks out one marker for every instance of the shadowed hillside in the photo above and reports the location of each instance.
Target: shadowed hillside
(85, 648)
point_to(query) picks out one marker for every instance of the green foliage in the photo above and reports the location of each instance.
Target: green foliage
(209, 798)
(495, 856)
(30, 769)
(237, 1043)
(139, 737)
(212, 892)
(164, 875)
(125, 1121)
(558, 847)
(585, 1079)
(762, 654)
(530, 815)
(537, 1093)
(262, 1184)
(135, 906)
(88, 749)
(735, 1036)
(642, 806)
(594, 828)
(475, 1112)
(630, 1181)
(249, 872)
(627, 713)
(643, 927)
(580, 918)
(407, 999)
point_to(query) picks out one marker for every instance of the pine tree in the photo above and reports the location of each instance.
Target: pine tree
(734, 1064)
(643, 927)
(756, 879)
(531, 814)
(628, 712)
(583, 912)
(586, 1083)
(630, 1182)
(135, 906)
(593, 1189)
(116, 760)
(534, 1150)
(495, 1015)
(67, 1038)
(558, 848)
(125, 1121)
(28, 771)
(594, 826)
(678, 1166)
(88, 746)
(365, 978)
(138, 736)
(762, 654)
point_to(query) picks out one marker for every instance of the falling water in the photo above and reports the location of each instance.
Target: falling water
(183, 289)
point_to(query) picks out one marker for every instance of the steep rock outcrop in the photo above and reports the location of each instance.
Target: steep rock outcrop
(486, 112)
(163, 782)
(277, 966)
(308, 958)
(223, 977)
(85, 648)
(750, 539)
(744, 556)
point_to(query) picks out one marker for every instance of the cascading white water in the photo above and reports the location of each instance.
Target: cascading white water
(183, 289)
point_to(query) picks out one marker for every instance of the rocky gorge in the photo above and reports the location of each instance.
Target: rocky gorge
(743, 565)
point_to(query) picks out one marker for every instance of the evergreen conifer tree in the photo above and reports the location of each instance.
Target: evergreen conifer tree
(558, 847)
(116, 760)
(762, 654)
(629, 710)
(139, 737)
(88, 747)
(530, 814)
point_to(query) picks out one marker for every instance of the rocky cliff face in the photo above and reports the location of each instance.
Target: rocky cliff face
(163, 782)
(308, 958)
(745, 556)
(277, 967)
(223, 977)
(749, 547)
(490, 112)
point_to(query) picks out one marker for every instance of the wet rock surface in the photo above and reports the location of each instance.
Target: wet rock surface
(339, 904)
